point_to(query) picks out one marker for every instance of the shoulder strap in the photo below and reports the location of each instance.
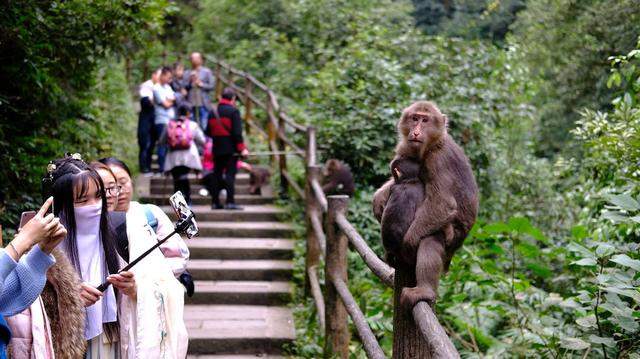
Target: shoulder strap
(151, 219)
(219, 119)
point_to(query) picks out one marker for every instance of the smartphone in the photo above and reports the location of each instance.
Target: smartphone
(26, 217)
(183, 211)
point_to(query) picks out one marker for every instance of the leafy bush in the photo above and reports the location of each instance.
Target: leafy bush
(63, 87)
(566, 44)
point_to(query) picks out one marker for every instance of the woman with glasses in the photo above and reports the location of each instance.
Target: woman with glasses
(160, 295)
(111, 187)
(175, 249)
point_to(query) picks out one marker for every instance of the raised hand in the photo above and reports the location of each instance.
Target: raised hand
(39, 228)
(57, 235)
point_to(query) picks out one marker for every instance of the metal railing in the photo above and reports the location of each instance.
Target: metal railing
(328, 233)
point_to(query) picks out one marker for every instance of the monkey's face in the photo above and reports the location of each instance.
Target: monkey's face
(330, 167)
(421, 125)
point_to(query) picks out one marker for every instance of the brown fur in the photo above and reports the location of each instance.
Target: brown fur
(443, 220)
(405, 195)
(258, 177)
(338, 178)
(65, 308)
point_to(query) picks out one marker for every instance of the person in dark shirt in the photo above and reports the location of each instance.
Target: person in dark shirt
(226, 132)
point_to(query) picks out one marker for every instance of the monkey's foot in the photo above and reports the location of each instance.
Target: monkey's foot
(411, 296)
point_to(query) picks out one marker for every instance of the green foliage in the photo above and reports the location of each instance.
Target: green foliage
(566, 44)
(63, 88)
(489, 19)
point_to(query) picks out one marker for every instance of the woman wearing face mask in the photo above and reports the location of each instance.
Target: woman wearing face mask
(80, 201)
(160, 295)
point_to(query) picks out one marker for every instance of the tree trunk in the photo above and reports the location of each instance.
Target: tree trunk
(407, 340)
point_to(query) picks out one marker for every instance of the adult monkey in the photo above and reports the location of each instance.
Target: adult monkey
(451, 199)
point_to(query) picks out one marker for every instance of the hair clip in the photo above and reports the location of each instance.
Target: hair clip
(51, 167)
(76, 156)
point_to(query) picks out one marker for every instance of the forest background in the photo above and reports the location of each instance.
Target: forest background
(542, 94)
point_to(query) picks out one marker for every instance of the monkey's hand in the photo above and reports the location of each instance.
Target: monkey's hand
(380, 199)
(411, 296)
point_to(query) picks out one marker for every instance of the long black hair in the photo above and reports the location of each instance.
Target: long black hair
(68, 179)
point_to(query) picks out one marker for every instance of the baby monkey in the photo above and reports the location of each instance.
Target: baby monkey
(405, 196)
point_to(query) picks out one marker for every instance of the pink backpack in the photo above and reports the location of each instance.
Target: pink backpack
(179, 134)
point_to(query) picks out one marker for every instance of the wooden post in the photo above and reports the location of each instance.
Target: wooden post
(311, 149)
(408, 341)
(314, 250)
(312, 207)
(271, 133)
(219, 84)
(337, 331)
(248, 104)
(230, 76)
(282, 158)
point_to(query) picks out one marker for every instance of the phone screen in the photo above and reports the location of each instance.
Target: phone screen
(26, 217)
(182, 210)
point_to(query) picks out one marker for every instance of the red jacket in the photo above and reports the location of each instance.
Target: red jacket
(226, 131)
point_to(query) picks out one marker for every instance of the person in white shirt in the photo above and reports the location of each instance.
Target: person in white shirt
(146, 122)
(164, 100)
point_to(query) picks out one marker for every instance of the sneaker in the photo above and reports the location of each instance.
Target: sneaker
(232, 206)
(147, 174)
(203, 192)
(217, 206)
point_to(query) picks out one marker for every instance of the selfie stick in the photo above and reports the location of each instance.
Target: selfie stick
(181, 226)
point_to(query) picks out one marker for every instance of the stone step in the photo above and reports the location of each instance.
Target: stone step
(240, 248)
(252, 213)
(158, 180)
(241, 199)
(245, 229)
(238, 329)
(229, 269)
(241, 292)
(195, 188)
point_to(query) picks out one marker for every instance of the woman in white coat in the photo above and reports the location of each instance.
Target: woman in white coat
(160, 331)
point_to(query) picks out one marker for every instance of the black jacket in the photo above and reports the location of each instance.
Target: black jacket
(226, 130)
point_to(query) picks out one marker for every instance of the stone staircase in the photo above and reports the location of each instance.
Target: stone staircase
(241, 264)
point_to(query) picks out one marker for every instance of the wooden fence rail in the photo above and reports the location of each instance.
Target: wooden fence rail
(417, 334)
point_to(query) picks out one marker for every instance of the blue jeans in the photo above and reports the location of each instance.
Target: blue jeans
(158, 129)
(201, 115)
(145, 138)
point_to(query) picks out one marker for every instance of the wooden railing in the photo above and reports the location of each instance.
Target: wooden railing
(417, 334)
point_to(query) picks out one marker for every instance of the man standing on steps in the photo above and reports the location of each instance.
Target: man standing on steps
(146, 120)
(226, 132)
(198, 81)
(165, 100)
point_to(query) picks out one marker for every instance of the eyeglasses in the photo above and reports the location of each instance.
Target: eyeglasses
(113, 190)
